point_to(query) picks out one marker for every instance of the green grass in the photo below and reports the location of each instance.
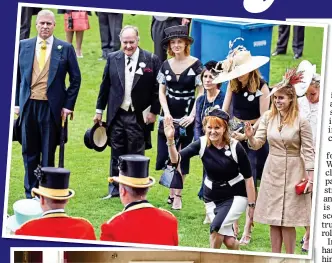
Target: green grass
(90, 169)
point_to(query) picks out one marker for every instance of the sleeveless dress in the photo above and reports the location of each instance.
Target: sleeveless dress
(180, 95)
(246, 106)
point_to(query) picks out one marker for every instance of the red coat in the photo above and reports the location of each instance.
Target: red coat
(58, 226)
(142, 223)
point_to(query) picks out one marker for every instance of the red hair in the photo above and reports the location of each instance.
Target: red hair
(217, 122)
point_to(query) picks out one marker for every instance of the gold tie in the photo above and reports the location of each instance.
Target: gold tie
(42, 55)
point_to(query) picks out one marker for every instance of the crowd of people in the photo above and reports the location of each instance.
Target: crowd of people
(251, 132)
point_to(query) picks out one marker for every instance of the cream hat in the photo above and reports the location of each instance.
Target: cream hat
(238, 63)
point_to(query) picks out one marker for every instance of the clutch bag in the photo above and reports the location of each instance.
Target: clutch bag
(299, 188)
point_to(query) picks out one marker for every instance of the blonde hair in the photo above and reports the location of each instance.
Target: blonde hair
(293, 110)
(216, 121)
(186, 49)
(253, 82)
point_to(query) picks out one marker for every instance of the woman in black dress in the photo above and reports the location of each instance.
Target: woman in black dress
(246, 92)
(178, 77)
(228, 185)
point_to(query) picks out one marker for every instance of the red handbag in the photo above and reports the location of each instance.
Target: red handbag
(76, 21)
(299, 188)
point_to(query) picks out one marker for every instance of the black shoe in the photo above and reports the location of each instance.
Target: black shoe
(276, 53)
(297, 56)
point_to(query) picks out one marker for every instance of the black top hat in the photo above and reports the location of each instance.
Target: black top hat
(53, 183)
(134, 171)
(172, 32)
(215, 111)
(17, 133)
(96, 137)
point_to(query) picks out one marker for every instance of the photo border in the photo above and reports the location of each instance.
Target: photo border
(180, 248)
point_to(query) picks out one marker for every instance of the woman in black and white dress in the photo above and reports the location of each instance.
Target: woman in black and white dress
(228, 186)
(178, 78)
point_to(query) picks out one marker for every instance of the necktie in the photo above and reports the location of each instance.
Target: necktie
(42, 55)
(131, 68)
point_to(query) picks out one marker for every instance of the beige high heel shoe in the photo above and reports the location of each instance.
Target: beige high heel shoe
(177, 203)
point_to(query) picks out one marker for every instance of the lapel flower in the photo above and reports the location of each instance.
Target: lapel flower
(59, 47)
(142, 64)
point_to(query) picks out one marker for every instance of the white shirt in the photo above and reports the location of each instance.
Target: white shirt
(49, 44)
(129, 78)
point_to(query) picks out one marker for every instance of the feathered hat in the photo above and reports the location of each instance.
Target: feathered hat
(291, 78)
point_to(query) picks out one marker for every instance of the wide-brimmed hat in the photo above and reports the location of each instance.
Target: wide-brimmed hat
(24, 210)
(53, 183)
(17, 133)
(238, 63)
(309, 72)
(134, 171)
(96, 137)
(173, 32)
(290, 79)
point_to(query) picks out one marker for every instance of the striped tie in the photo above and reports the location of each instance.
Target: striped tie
(131, 68)
(42, 55)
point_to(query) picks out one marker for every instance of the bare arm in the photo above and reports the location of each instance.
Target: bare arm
(162, 99)
(264, 102)
(250, 188)
(228, 99)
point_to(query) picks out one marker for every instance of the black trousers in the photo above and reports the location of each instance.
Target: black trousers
(126, 137)
(110, 25)
(26, 16)
(39, 140)
(298, 39)
(157, 34)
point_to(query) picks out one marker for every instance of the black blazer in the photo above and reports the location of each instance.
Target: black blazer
(145, 90)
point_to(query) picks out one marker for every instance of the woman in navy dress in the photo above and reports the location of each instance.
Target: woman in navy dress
(247, 93)
(178, 77)
(213, 96)
(228, 185)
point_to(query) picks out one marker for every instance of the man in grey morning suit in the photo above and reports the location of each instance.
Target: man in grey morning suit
(42, 99)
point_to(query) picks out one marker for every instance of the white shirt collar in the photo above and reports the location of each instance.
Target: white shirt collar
(49, 40)
(134, 56)
(52, 211)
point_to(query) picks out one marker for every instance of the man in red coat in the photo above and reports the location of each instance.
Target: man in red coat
(140, 221)
(54, 194)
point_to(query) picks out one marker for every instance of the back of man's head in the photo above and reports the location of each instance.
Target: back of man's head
(130, 194)
(50, 204)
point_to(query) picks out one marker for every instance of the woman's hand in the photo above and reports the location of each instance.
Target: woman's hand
(238, 136)
(308, 188)
(248, 130)
(186, 121)
(168, 118)
(169, 129)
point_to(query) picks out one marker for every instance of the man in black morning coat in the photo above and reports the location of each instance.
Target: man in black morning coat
(129, 87)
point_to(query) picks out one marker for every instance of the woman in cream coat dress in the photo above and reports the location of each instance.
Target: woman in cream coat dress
(288, 134)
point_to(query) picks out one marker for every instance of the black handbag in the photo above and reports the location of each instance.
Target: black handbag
(171, 178)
